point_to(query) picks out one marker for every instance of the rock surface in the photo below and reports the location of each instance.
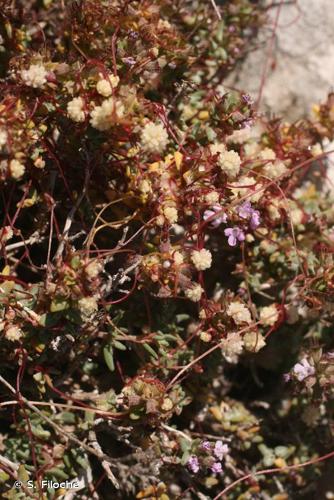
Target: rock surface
(300, 67)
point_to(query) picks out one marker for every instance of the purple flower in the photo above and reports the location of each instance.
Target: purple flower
(220, 450)
(129, 60)
(206, 445)
(216, 221)
(303, 369)
(248, 123)
(193, 464)
(216, 467)
(234, 234)
(247, 99)
(255, 219)
(246, 211)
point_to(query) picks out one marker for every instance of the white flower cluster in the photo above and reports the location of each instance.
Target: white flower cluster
(274, 169)
(105, 86)
(232, 347)
(267, 154)
(154, 137)
(229, 161)
(269, 315)
(212, 197)
(239, 313)
(35, 76)
(241, 188)
(254, 341)
(88, 306)
(105, 116)
(170, 214)
(178, 258)
(93, 269)
(3, 138)
(16, 169)
(13, 333)
(6, 233)
(194, 293)
(75, 109)
(202, 259)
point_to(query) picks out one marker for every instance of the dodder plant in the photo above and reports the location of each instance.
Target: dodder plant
(165, 260)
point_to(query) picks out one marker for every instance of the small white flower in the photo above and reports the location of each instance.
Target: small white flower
(39, 162)
(35, 76)
(16, 169)
(6, 233)
(145, 186)
(274, 169)
(267, 154)
(75, 109)
(178, 258)
(93, 269)
(164, 25)
(194, 293)
(105, 116)
(241, 188)
(316, 149)
(212, 197)
(232, 347)
(105, 86)
(167, 404)
(295, 213)
(13, 333)
(202, 259)
(170, 214)
(154, 137)
(229, 161)
(88, 306)
(254, 341)
(273, 210)
(3, 138)
(205, 336)
(239, 312)
(239, 136)
(269, 315)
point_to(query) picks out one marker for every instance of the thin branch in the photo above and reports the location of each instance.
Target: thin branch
(216, 9)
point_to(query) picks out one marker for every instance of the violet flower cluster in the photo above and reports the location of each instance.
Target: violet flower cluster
(246, 212)
(216, 453)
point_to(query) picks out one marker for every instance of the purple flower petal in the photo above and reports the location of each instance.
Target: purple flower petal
(216, 221)
(217, 467)
(193, 464)
(220, 450)
(206, 445)
(234, 234)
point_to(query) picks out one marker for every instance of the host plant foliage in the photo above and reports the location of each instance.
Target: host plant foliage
(166, 260)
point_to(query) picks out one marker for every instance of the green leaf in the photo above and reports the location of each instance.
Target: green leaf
(151, 351)
(39, 432)
(67, 417)
(3, 476)
(59, 304)
(22, 474)
(134, 416)
(119, 345)
(108, 357)
(185, 457)
(49, 319)
(57, 473)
